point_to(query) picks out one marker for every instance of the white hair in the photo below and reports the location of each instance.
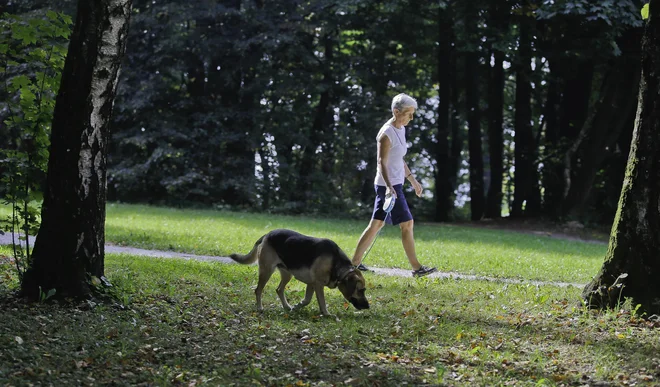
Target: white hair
(403, 101)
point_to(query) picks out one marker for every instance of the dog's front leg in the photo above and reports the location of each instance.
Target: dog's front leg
(320, 297)
(309, 292)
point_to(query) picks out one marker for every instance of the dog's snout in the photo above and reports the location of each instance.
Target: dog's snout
(360, 304)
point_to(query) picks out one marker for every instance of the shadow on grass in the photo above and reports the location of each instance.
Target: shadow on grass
(189, 322)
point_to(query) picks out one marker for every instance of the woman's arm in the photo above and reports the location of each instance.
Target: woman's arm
(411, 178)
(383, 151)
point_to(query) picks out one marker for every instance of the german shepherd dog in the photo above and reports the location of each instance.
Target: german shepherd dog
(315, 261)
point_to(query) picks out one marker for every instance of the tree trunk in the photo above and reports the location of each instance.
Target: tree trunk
(577, 74)
(69, 250)
(496, 137)
(551, 175)
(569, 89)
(381, 75)
(443, 186)
(524, 138)
(457, 139)
(310, 160)
(496, 117)
(232, 83)
(631, 266)
(477, 199)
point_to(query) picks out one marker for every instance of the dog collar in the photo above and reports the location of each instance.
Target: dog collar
(349, 271)
(333, 284)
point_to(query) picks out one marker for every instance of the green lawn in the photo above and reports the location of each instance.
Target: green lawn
(178, 322)
(459, 249)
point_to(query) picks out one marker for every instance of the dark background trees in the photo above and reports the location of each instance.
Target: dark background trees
(526, 107)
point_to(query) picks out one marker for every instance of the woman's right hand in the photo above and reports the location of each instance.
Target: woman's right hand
(390, 191)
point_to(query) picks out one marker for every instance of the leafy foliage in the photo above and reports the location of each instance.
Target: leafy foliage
(645, 11)
(274, 106)
(32, 53)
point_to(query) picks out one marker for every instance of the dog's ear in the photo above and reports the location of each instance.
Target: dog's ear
(359, 277)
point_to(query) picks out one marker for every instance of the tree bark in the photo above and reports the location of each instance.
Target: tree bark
(631, 266)
(69, 249)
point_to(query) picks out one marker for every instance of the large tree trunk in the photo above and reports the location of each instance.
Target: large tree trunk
(443, 177)
(69, 250)
(477, 199)
(632, 267)
(524, 138)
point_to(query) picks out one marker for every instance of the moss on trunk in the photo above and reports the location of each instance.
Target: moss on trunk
(632, 264)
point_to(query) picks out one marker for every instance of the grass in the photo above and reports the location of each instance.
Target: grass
(194, 323)
(465, 250)
(179, 322)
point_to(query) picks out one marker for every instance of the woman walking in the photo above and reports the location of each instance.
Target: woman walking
(391, 172)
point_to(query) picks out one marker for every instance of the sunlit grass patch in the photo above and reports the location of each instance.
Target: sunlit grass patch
(466, 250)
(451, 248)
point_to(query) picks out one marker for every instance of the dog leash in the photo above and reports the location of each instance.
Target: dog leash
(387, 207)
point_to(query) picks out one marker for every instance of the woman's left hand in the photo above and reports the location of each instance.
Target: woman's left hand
(418, 187)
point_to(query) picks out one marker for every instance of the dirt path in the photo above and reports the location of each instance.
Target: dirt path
(6, 239)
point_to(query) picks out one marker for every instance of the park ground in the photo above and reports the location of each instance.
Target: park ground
(189, 322)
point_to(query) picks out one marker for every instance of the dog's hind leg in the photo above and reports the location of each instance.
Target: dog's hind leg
(308, 298)
(264, 275)
(285, 278)
(268, 260)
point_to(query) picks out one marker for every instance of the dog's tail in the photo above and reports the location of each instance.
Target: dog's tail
(251, 257)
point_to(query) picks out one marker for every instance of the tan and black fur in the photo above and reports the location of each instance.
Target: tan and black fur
(315, 261)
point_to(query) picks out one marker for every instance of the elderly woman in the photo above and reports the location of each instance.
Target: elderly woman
(391, 172)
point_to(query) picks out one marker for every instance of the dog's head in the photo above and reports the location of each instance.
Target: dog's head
(352, 287)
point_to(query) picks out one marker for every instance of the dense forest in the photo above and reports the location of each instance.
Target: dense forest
(526, 108)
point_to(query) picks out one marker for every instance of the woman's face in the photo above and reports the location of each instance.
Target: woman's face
(404, 116)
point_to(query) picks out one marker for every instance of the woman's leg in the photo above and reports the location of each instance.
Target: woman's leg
(366, 238)
(408, 240)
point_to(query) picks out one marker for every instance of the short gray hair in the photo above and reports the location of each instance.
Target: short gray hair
(402, 101)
